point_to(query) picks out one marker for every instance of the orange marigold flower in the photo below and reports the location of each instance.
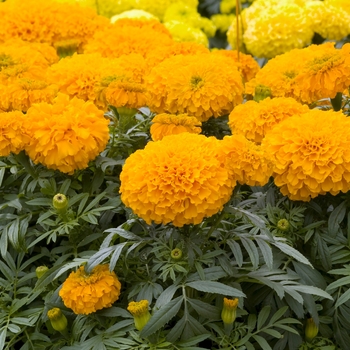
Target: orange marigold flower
(170, 124)
(254, 120)
(246, 162)
(246, 64)
(308, 159)
(67, 134)
(21, 93)
(180, 180)
(203, 86)
(325, 72)
(86, 293)
(12, 138)
(129, 36)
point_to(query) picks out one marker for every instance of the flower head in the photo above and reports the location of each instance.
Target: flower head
(308, 159)
(60, 201)
(139, 309)
(178, 180)
(169, 124)
(254, 120)
(311, 329)
(67, 134)
(58, 319)
(203, 85)
(228, 313)
(86, 293)
(245, 161)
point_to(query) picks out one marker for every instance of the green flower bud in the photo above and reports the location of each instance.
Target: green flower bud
(228, 313)
(283, 224)
(58, 319)
(60, 201)
(311, 329)
(261, 92)
(176, 254)
(139, 309)
(40, 271)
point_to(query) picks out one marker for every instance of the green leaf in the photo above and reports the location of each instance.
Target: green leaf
(263, 315)
(194, 340)
(312, 290)
(116, 255)
(266, 252)
(40, 202)
(98, 257)
(3, 332)
(2, 174)
(343, 298)
(215, 287)
(251, 250)
(262, 342)
(336, 217)
(162, 316)
(177, 330)
(338, 283)
(82, 203)
(285, 248)
(236, 250)
(204, 309)
(166, 296)
(277, 315)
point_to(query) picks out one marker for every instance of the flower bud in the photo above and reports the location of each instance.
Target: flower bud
(139, 309)
(283, 224)
(60, 201)
(228, 314)
(311, 329)
(58, 319)
(176, 254)
(40, 271)
(261, 92)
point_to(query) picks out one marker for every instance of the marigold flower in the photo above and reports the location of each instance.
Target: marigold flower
(283, 224)
(182, 180)
(139, 309)
(67, 134)
(136, 14)
(86, 293)
(325, 72)
(12, 138)
(203, 85)
(60, 201)
(277, 29)
(254, 119)
(246, 64)
(308, 159)
(169, 124)
(311, 329)
(223, 21)
(228, 313)
(58, 320)
(245, 161)
(176, 254)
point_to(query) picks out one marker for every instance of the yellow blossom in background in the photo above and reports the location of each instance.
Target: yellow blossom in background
(86, 293)
(178, 180)
(203, 86)
(139, 309)
(138, 14)
(169, 124)
(325, 72)
(223, 21)
(246, 64)
(246, 162)
(67, 134)
(254, 120)
(308, 159)
(331, 22)
(12, 137)
(127, 36)
(278, 29)
(182, 32)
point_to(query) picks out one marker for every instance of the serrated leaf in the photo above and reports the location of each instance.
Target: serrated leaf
(116, 254)
(277, 315)
(343, 298)
(285, 248)
(312, 290)
(263, 315)
(262, 342)
(215, 287)
(336, 217)
(3, 332)
(161, 317)
(251, 250)
(236, 250)
(266, 252)
(166, 296)
(338, 283)
(125, 234)
(98, 257)
(204, 309)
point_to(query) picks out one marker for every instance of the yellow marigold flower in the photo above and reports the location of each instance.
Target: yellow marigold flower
(139, 309)
(325, 72)
(58, 320)
(328, 20)
(137, 14)
(254, 120)
(67, 134)
(203, 86)
(181, 32)
(227, 6)
(245, 161)
(169, 124)
(129, 36)
(343, 4)
(86, 293)
(246, 64)
(308, 159)
(12, 138)
(279, 74)
(228, 313)
(277, 29)
(223, 21)
(183, 180)
(22, 93)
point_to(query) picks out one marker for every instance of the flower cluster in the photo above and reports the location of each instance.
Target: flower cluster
(86, 293)
(308, 159)
(180, 180)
